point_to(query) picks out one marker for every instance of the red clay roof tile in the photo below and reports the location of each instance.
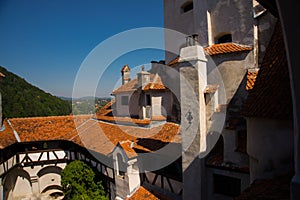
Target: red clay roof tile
(271, 94)
(217, 49)
(7, 136)
(251, 78)
(174, 61)
(105, 110)
(127, 146)
(85, 131)
(222, 48)
(154, 84)
(142, 194)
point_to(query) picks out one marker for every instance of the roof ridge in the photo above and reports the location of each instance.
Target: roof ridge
(222, 44)
(14, 131)
(82, 124)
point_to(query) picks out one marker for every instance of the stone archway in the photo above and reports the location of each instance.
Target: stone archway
(17, 184)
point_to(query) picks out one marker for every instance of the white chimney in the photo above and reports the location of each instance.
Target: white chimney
(194, 54)
(143, 77)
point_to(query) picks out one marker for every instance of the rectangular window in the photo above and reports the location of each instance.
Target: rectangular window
(148, 100)
(124, 100)
(226, 185)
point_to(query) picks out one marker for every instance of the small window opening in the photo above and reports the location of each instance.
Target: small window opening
(124, 100)
(224, 39)
(187, 7)
(121, 165)
(148, 100)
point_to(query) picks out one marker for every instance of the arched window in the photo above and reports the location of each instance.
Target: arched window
(224, 39)
(187, 7)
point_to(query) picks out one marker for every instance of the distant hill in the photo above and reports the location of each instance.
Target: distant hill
(21, 99)
(88, 105)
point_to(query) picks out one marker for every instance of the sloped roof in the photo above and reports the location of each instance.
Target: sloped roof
(125, 68)
(271, 94)
(7, 136)
(107, 109)
(154, 84)
(174, 61)
(127, 147)
(223, 48)
(142, 193)
(85, 131)
(251, 78)
(217, 49)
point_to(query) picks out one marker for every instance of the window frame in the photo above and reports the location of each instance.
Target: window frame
(187, 6)
(124, 100)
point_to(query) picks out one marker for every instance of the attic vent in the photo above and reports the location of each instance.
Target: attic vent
(187, 7)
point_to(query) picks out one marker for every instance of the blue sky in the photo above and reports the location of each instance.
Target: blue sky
(46, 41)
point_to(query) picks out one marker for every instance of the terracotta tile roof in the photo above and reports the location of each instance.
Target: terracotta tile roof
(217, 49)
(131, 86)
(85, 131)
(7, 136)
(271, 94)
(47, 128)
(267, 189)
(174, 61)
(142, 194)
(223, 48)
(158, 118)
(124, 120)
(251, 78)
(127, 146)
(107, 109)
(154, 84)
(103, 137)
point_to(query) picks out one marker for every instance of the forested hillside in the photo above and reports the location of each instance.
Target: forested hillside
(21, 99)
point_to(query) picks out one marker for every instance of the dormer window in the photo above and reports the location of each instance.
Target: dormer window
(224, 39)
(187, 7)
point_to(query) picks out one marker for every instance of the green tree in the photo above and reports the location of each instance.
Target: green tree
(78, 182)
(21, 99)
